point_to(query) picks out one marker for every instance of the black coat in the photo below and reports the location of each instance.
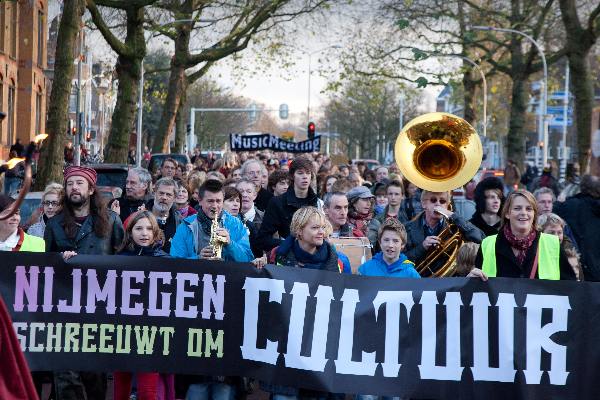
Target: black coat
(507, 265)
(483, 226)
(86, 241)
(582, 213)
(262, 199)
(170, 227)
(278, 217)
(128, 207)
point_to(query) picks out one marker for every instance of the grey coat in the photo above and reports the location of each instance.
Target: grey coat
(414, 249)
(86, 241)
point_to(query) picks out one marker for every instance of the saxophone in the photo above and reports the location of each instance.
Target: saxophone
(216, 241)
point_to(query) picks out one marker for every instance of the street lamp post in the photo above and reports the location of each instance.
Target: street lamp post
(310, 54)
(543, 122)
(138, 153)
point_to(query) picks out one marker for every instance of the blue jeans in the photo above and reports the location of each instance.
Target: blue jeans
(210, 391)
(371, 397)
(11, 185)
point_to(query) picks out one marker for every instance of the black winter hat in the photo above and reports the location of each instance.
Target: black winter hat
(5, 201)
(488, 183)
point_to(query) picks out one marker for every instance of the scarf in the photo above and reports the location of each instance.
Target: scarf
(307, 260)
(520, 244)
(184, 212)
(311, 261)
(359, 223)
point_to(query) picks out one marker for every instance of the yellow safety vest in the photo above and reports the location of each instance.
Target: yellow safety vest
(33, 244)
(548, 256)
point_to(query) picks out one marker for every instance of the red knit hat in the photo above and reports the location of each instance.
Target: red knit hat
(85, 172)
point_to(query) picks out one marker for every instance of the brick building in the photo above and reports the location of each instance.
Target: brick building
(22, 63)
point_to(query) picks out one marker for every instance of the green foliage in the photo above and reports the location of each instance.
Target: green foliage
(422, 82)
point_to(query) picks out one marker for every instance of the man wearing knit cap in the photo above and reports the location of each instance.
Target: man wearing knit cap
(84, 226)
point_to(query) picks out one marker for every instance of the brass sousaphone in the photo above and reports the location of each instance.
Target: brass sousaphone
(439, 152)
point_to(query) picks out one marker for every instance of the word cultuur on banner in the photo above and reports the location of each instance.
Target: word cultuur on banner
(429, 338)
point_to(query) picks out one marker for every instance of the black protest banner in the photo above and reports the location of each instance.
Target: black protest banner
(428, 338)
(239, 142)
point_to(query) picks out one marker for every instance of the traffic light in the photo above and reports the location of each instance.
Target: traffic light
(311, 130)
(188, 129)
(71, 129)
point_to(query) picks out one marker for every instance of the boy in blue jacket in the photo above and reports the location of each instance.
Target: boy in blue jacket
(192, 237)
(390, 261)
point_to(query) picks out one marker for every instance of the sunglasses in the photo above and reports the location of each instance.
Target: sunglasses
(434, 200)
(50, 203)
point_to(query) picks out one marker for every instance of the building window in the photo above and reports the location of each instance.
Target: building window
(40, 34)
(13, 34)
(38, 113)
(11, 115)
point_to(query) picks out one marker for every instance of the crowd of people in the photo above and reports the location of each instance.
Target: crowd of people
(277, 208)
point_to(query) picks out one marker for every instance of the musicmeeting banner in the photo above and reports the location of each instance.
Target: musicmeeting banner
(239, 142)
(429, 338)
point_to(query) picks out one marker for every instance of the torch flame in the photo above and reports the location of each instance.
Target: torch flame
(13, 162)
(40, 137)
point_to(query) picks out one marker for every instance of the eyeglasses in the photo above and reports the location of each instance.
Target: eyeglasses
(50, 203)
(434, 200)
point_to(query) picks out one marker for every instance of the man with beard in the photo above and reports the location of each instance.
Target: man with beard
(84, 226)
(137, 191)
(162, 207)
(253, 171)
(192, 239)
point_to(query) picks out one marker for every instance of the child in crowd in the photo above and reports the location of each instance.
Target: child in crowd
(390, 261)
(143, 237)
(465, 259)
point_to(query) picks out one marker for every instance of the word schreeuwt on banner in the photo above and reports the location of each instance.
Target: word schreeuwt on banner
(239, 142)
(432, 338)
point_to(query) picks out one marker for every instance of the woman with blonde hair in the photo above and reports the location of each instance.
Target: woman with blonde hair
(519, 250)
(51, 204)
(552, 224)
(307, 247)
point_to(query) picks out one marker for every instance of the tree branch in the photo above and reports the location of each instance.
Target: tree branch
(119, 47)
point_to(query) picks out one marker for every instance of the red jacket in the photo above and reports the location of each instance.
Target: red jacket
(15, 378)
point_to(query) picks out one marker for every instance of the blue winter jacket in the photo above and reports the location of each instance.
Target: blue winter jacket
(403, 268)
(184, 243)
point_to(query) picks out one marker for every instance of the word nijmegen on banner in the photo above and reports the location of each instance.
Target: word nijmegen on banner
(429, 338)
(239, 142)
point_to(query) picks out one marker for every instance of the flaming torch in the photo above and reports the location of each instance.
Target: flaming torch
(14, 207)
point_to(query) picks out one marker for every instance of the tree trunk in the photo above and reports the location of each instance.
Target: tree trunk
(579, 42)
(584, 102)
(128, 69)
(123, 118)
(177, 86)
(469, 87)
(515, 140)
(51, 159)
(180, 125)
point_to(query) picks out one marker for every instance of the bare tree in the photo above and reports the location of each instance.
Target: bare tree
(51, 160)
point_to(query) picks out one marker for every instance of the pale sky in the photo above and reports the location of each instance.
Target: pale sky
(278, 85)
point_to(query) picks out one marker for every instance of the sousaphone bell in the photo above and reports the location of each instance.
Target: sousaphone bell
(439, 152)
